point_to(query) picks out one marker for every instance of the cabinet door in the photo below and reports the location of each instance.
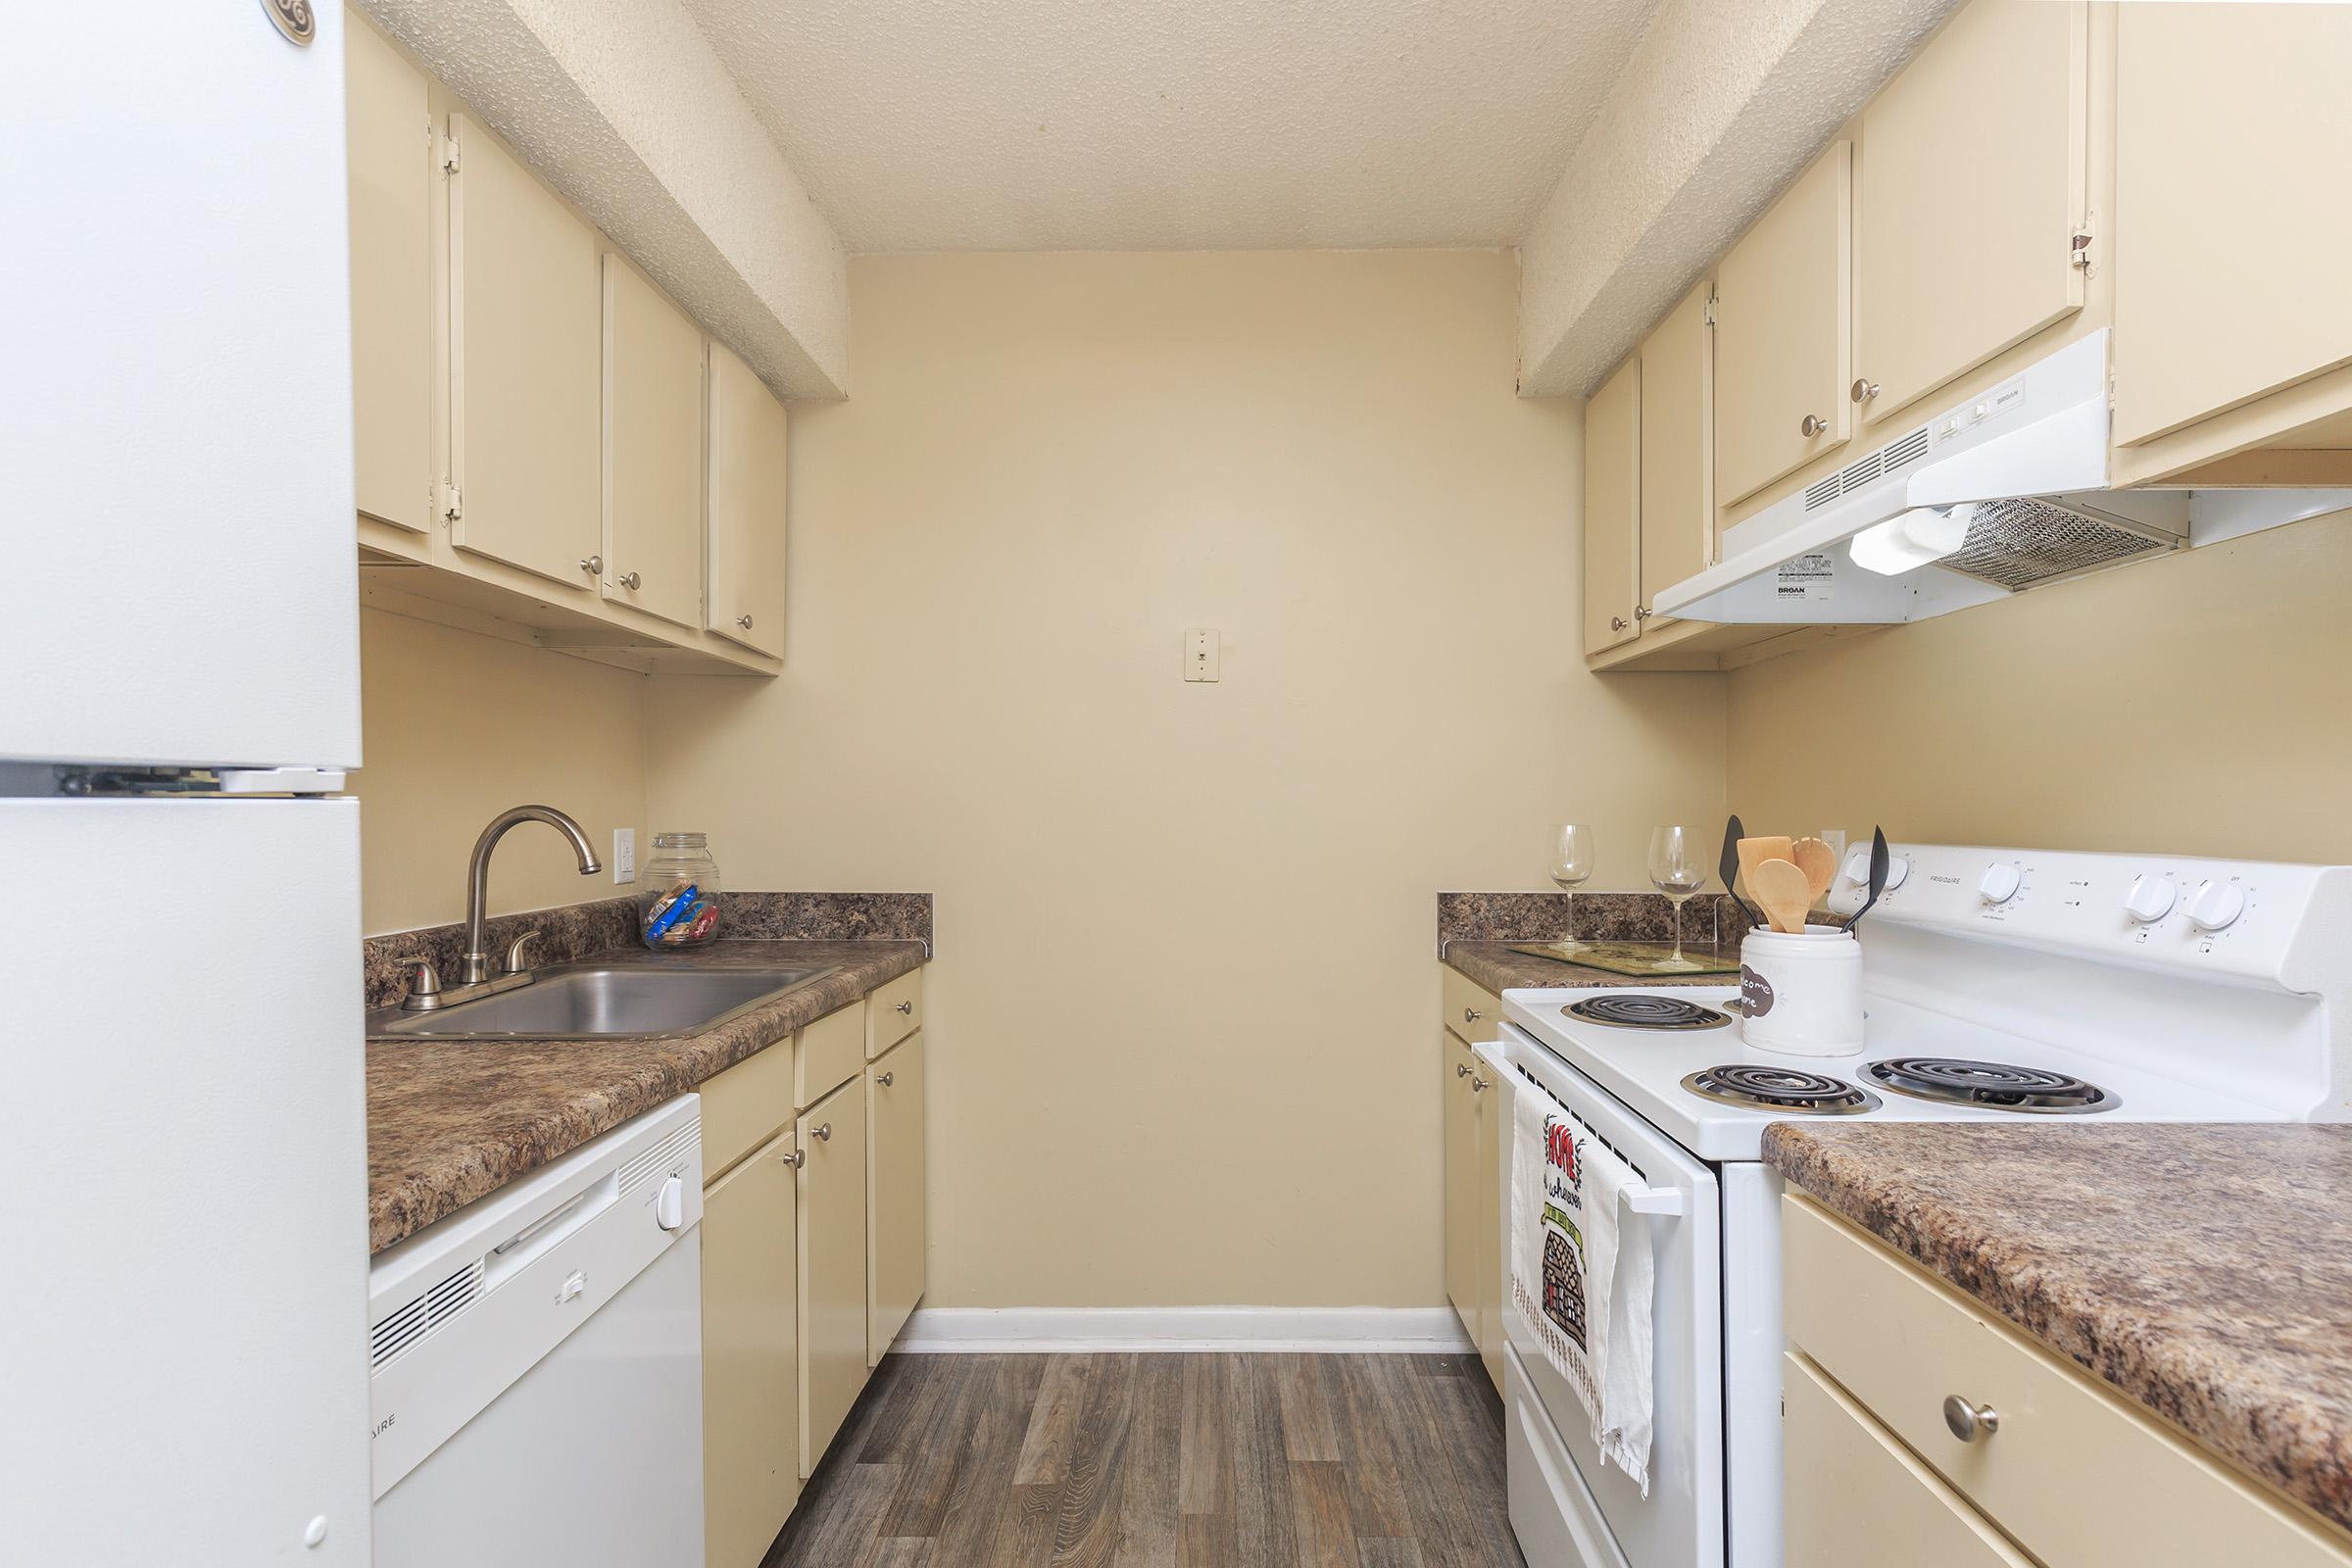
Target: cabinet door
(896, 1239)
(653, 450)
(388, 150)
(1613, 509)
(2229, 259)
(751, 1359)
(1855, 1490)
(746, 600)
(1494, 1129)
(1782, 331)
(1972, 190)
(832, 1140)
(1455, 1063)
(525, 344)
(1678, 447)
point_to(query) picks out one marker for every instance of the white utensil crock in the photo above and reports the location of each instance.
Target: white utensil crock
(1802, 991)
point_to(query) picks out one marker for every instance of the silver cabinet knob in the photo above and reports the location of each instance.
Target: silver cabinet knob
(887, 1079)
(1641, 612)
(1864, 391)
(1618, 623)
(824, 1132)
(1812, 424)
(745, 621)
(1471, 1016)
(592, 565)
(795, 1159)
(1478, 1084)
(631, 581)
(1462, 1069)
(1969, 1422)
(906, 1009)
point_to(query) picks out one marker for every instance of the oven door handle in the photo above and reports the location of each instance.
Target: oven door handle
(1663, 1202)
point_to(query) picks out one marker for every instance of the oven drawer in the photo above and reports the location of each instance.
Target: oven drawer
(2076, 1474)
(1851, 1489)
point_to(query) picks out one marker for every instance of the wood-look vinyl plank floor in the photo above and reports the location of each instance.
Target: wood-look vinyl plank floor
(1162, 1461)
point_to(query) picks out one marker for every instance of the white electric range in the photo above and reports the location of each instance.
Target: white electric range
(2014, 986)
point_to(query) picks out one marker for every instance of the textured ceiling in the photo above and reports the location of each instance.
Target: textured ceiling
(1079, 124)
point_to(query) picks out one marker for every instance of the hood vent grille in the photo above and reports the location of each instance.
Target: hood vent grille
(1885, 460)
(2024, 543)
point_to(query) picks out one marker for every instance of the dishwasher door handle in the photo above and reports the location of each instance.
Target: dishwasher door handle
(534, 1238)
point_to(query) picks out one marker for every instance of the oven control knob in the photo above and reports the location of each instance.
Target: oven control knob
(2151, 898)
(1857, 866)
(1897, 868)
(1999, 885)
(2216, 903)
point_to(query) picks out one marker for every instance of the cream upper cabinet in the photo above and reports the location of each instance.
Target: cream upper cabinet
(1677, 446)
(751, 1356)
(895, 1232)
(746, 600)
(1973, 170)
(526, 344)
(832, 1283)
(1613, 509)
(2232, 135)
(1455, 1065)
(389, 145)
(1783, 316)
(653, 450)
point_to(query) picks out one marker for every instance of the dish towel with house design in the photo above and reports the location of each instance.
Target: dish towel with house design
(1581, 1280)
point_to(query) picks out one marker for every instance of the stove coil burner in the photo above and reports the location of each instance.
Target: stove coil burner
(1636, 1012)
(1789, 1090)
(1991, 1085)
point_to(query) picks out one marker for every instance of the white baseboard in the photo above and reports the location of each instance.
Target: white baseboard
(1410, 1330)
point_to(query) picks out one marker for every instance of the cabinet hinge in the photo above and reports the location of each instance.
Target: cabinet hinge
(450, 158)
(2079, 251)
(1709, 313)
(453, 502)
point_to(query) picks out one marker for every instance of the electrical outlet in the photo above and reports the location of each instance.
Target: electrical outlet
(624, 855)
(1201, 655)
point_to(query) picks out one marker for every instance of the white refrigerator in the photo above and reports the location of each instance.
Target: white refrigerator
(184, 1254)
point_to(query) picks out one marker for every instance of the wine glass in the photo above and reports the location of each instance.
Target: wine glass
(1571, 867)
(1677, 868)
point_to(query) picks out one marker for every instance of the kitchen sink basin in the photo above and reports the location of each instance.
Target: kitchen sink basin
(602, 999)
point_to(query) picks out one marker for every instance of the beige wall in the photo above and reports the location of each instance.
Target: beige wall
(2197, 704)
(459, 727)
(1184, 1014)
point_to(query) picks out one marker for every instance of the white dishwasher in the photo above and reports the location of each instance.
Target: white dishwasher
(536, 1365)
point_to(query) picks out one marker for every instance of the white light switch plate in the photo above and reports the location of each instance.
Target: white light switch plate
(1200, 654)
(624, 855)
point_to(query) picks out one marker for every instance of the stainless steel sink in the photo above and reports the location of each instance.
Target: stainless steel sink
(602, 999)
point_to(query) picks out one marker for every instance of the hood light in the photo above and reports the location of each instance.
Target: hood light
(1919, 537)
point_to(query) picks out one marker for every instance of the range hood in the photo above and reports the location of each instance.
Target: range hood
(1989, 498)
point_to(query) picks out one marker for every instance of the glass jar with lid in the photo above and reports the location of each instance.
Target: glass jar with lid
(677, 893)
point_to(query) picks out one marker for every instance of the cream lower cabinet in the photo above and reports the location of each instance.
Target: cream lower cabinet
(832, 1283)
(895, 1233)
(751, 1353)
(1477, 1131)
(1889, 1375)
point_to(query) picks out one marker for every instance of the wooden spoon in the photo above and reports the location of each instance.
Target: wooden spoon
(1781, 887)
(1819, 863)
(1756, 851)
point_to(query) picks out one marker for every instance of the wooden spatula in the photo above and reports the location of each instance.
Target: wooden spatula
(1819, 863)
(1756, 851)
(1781, 889)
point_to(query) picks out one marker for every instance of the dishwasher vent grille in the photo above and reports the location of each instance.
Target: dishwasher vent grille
(405, 1327)
(665, 1157)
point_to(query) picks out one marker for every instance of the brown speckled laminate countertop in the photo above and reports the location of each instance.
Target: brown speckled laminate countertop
(2204, 1271)
(450, 1120)
(1496, 966)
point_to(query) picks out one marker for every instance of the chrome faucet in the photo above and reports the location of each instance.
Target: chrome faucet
(474, 968)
